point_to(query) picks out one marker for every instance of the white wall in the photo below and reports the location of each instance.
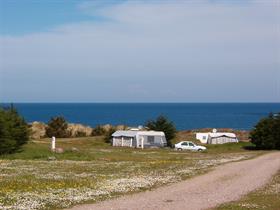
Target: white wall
(202, 137)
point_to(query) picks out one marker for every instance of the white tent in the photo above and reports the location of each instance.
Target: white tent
(138, 139)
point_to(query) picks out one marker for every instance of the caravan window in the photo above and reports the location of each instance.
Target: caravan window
(151, 139)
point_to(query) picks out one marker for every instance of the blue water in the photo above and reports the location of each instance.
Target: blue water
(185, 115)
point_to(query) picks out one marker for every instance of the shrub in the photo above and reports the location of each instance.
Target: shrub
(266, 134)
(80, 134)
(98, 131)
(108, 134)
(13, 130)
(163, 124)
(57, 127)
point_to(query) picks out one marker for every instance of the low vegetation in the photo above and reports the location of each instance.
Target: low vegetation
(90, 170)
(267, 197)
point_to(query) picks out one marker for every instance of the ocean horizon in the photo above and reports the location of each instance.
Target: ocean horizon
(186, 116)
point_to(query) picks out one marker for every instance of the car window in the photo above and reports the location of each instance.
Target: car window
(191, 144)
(185, 143)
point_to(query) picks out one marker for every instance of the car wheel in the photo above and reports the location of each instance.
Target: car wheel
(199, 150)
(180, 149)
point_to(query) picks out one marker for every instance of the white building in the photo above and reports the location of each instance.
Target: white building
(216, 138)
(138, 139)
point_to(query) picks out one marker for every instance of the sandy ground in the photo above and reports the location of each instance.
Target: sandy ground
(225, 183)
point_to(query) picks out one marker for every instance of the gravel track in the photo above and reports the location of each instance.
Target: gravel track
(223, 184)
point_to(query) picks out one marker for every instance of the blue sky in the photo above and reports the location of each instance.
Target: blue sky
(139, 51)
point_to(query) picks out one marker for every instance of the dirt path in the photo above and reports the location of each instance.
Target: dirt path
(225, 183)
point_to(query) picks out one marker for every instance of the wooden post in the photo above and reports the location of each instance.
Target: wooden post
(53, 144)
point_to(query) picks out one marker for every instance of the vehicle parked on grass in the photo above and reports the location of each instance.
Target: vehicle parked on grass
(188, 145)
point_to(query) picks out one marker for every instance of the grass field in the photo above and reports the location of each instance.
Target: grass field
(95, 171)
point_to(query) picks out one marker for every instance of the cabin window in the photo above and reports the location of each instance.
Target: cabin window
(151, 139)
(204, 137)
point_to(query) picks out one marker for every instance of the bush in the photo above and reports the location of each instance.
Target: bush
(57, 127)
(266, 134)
(108, 134)
(80, 134)
(163, 124)
(13, 130)
(98, 131)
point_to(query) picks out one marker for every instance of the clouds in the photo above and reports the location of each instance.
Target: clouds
(148, 51)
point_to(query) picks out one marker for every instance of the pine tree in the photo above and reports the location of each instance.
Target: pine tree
(163, 124)
(13, 130)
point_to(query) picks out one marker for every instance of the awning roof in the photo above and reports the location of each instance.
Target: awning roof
(125, 133)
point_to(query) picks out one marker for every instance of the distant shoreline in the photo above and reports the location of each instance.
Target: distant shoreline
(185, 116)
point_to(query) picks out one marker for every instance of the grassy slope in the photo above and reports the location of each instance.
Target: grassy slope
(98, 171)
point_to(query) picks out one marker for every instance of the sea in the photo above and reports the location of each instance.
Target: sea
(185, 116)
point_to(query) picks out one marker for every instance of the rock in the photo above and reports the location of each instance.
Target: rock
(38, 130)
(74, 149)
(59, 150)
(51, 158)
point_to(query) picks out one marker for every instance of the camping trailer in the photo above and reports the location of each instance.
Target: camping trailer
(138, 139)
(217, 138)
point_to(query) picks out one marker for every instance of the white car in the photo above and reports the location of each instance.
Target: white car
(188, 145)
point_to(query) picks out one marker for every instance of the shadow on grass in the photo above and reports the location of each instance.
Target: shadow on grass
(250, 147)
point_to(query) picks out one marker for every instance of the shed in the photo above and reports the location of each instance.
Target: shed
(138, 139)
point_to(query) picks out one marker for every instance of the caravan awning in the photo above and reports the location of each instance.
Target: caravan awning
(125, 133)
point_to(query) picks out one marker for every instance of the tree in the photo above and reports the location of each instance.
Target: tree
(57, 127)
(98, 131)
(266, 134)
(13, 130)
(108, 134)
(163, 124)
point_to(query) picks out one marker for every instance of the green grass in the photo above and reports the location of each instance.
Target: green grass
(94, 148)
(267, 198)
(98, 171)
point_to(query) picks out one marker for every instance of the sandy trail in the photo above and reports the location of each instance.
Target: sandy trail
(225, 183)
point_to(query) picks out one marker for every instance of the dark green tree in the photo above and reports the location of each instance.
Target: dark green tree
(57, 127)
(108, 134)
(163, 124)
(266, 134)
(98, 131)
(13, 130)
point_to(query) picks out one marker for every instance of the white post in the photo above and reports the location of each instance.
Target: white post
(53, 143)
(142, 142)
(122, 141)
(131, 142)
